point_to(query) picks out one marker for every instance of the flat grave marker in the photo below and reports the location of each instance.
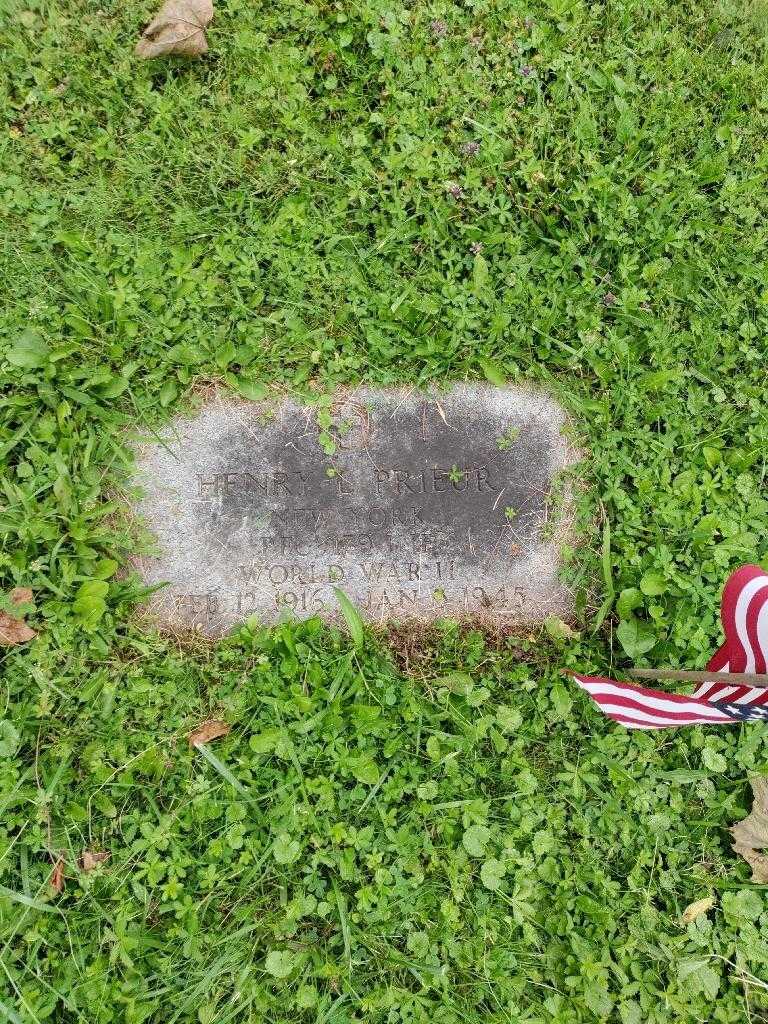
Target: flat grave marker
(429, 506)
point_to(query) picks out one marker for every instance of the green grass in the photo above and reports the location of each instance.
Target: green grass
(373, 843)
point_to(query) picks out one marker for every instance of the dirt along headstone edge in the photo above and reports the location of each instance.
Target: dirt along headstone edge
(418, 505)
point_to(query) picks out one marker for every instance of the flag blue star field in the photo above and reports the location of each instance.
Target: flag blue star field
(744, 614)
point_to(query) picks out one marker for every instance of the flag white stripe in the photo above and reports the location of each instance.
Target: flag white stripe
(657, 703)
(707, 691)
(725, 692)
(742, 608)
(762, 631)
(755, 695)
(745, 601)
(658, 718)
(704, 690)
(712, 690)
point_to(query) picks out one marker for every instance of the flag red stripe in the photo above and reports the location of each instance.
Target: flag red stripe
(757, 697)
(659, 721)
(733, 587)
(744, 615)
(719, 659)
(682, 717)
(638, 707)
(753, 614)
(674, 698)
(732, 592)
(704, 691)
(635, 723)
(732, 655)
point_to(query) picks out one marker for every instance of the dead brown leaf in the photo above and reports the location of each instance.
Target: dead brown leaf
(12, 630)
(178, 27)
(697, 908)
(207, 731)
(57, 878)
(91, 859)
(751, 833)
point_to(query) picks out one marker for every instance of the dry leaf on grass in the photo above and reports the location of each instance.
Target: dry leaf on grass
(178, 27)
(210, 730)
(91, 860)
(751, 833)
(697, 908)
(16, 631)
(57, 878)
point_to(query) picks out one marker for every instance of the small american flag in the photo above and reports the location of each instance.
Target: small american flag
(744, 614)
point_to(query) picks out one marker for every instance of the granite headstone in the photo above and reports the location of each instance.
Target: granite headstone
(417, 506)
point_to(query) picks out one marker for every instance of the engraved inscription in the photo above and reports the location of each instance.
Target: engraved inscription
(430, 506)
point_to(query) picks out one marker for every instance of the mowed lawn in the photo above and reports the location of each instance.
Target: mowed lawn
(426, 828)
